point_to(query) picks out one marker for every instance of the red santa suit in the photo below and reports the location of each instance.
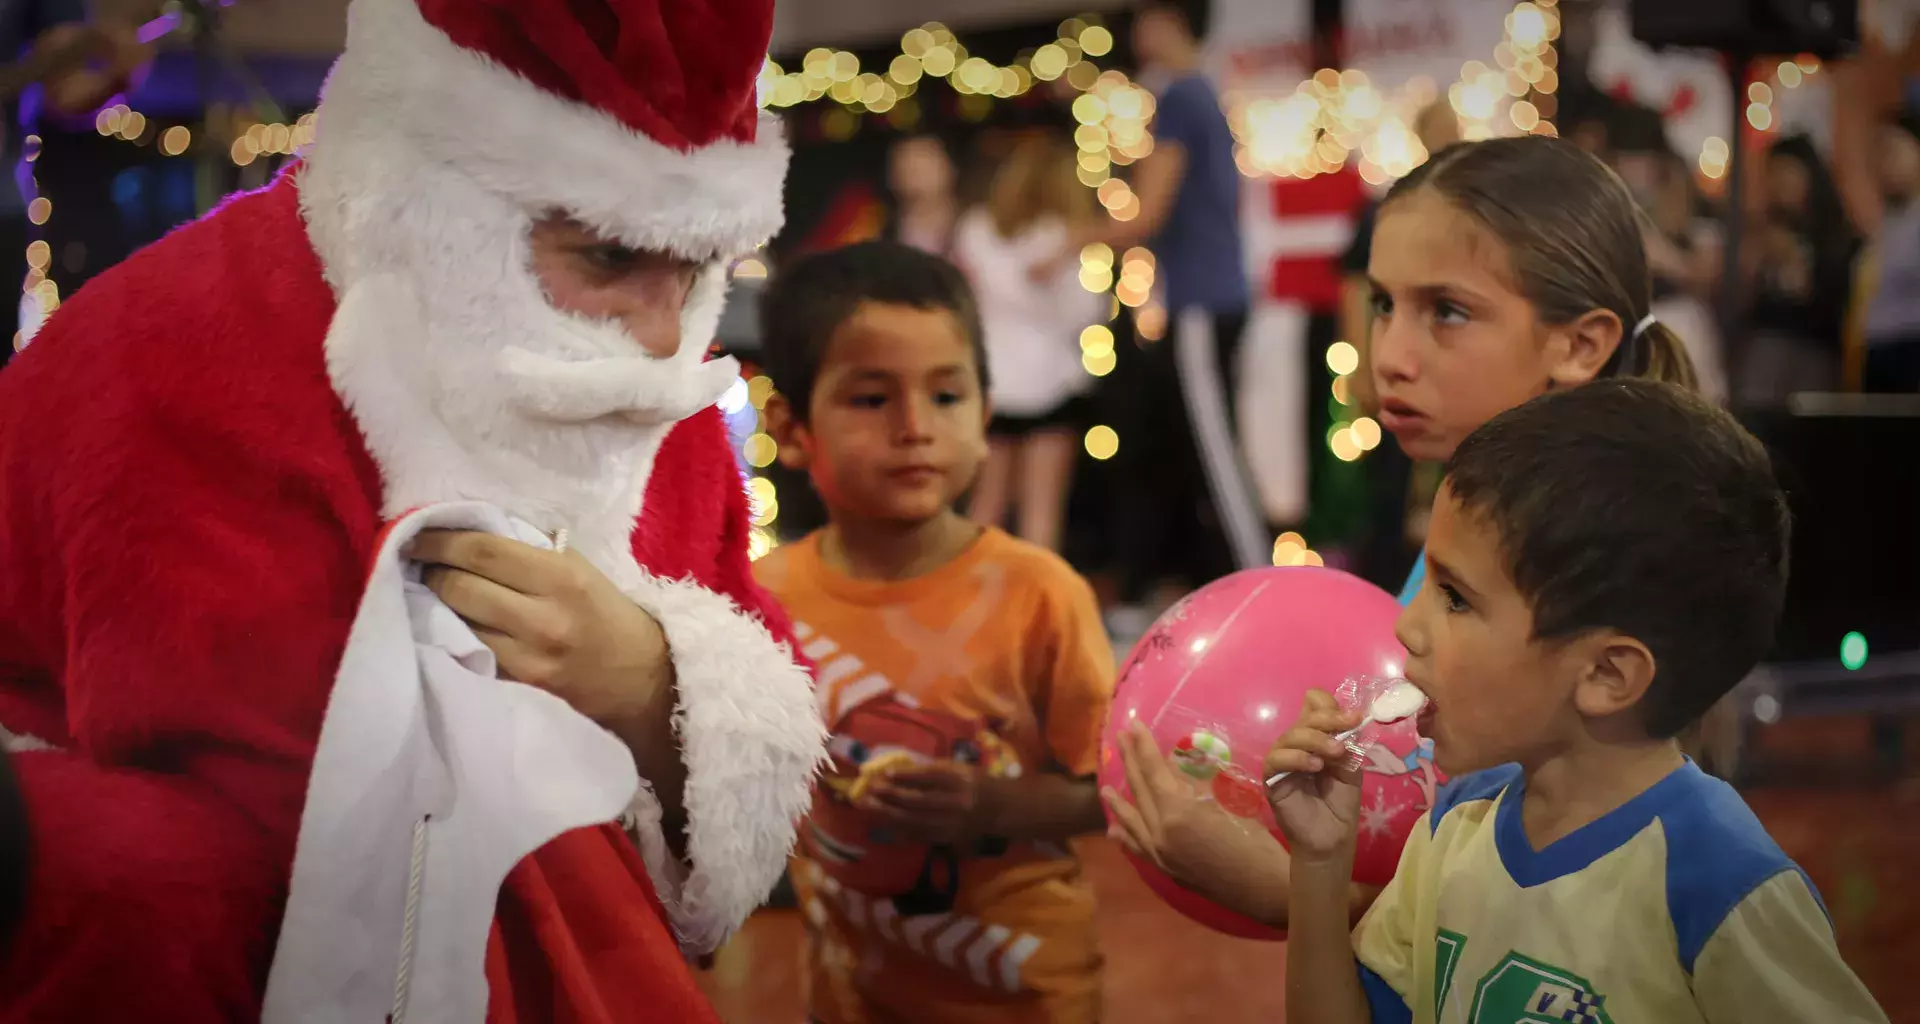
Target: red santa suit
(258, 761)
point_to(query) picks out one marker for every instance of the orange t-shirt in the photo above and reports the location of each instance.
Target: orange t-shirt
(997, 658)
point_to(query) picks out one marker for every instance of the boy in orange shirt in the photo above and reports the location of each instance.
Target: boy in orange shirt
(965, 674)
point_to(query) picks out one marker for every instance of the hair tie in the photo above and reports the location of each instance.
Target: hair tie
(1641, 327)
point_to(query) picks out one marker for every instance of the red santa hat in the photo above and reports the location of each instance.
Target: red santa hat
(638, 117)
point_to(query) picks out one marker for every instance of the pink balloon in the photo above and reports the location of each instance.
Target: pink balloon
(1224, 672)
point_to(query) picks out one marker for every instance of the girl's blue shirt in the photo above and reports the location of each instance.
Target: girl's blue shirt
(1414, 580)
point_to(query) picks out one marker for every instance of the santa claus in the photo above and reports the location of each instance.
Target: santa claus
(377, 639)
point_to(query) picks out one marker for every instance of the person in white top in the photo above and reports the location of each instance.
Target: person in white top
(1032, 321)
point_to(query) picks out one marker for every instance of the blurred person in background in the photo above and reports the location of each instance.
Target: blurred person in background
(1683, 250)
(1800, 261)
(1032, 324)
(920, 174)
(76, 66)
(1893, 309)
(1191, 469)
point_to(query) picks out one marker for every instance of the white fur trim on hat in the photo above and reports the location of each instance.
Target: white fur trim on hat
(459, 109)
(751, 741)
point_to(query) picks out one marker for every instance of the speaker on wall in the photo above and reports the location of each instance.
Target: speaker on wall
(1824, 28)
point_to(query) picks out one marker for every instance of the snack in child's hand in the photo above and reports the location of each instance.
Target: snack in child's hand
(879, 766)
(1401, 701)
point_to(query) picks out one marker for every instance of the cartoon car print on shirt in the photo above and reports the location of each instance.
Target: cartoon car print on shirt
(865, 852)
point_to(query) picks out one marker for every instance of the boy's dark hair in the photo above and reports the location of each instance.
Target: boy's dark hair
(1636, 506)
(808, 300)
(1198, 14)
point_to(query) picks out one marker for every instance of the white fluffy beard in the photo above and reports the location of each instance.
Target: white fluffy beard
(469, 385)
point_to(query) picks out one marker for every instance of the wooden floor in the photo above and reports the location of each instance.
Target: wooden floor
(1858, 839)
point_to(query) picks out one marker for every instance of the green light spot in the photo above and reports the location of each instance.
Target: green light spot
(1853, 651)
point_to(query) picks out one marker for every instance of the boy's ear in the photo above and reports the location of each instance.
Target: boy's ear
(1617, 673)
(1580, 350)
(788, 433)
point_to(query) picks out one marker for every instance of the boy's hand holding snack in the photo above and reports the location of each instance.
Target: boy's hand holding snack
(937, 801)
(955, 802)
(1318, 804)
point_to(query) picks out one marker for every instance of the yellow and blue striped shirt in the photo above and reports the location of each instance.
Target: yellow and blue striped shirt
(1676, 907)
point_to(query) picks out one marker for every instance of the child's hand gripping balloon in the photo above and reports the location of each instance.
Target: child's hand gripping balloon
(1181, 829)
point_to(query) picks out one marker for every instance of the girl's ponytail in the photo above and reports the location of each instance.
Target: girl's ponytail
(1658, 354)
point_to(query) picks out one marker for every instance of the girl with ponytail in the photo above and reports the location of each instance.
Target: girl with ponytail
(1500, 270)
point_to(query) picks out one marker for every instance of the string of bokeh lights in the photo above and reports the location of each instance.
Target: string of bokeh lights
(252, 140)
(1112, 112)
(1761, 96)
(37, 289)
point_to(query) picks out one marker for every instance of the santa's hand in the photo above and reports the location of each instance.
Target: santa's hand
(555, 622)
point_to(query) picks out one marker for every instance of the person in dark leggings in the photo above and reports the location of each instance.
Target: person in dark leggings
(1192, 471)
(1169, 522)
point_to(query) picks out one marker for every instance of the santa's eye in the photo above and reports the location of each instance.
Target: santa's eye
(612, 258)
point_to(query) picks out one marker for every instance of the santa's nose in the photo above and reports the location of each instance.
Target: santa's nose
(649, 305)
